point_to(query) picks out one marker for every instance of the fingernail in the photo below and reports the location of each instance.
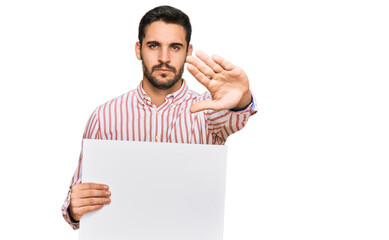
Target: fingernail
(107, 193)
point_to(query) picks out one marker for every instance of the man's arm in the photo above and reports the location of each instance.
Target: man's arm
(223, 123)
(85, 197)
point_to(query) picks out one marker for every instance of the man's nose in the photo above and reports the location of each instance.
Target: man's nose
(164, 55)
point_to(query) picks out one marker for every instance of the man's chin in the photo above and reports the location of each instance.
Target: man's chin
(163, 83)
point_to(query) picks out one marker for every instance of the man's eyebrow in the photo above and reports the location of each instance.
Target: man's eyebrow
(152, 42)
(177, 44)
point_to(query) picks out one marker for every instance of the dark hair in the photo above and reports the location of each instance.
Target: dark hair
(167, 14)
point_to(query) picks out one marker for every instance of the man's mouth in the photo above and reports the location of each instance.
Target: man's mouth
(163, 70)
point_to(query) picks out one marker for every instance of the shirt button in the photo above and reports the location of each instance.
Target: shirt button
(157, 138)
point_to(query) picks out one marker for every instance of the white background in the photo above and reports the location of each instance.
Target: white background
(311, 164)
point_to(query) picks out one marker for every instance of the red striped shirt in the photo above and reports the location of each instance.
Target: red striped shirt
(132, 117)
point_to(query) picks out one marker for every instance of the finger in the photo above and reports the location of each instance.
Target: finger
(201, 66)
(198, 75)
(204, 105)
(208, 60)
(89, 194)
(90, 202)
(83, 186)
(226, 65)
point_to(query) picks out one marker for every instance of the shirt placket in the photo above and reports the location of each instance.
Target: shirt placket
(158, 125)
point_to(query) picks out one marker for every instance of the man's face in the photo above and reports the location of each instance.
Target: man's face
(163, 53)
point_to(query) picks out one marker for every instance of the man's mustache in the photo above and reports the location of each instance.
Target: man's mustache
(163, 65)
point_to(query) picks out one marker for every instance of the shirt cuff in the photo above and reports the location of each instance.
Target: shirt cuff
(66, 214)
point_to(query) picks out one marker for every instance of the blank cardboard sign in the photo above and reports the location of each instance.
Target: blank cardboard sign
(159, 191)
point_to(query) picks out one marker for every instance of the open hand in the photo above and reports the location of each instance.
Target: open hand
(227, 83)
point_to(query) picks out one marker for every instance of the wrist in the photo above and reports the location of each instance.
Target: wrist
(237, 109)
(244, 102)
(70, 213)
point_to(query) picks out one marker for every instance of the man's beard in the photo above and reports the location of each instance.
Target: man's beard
(159, 84)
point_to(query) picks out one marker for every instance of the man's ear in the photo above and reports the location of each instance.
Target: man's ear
(137, 51)
(190, 50)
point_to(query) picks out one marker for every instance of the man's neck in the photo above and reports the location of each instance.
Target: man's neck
(158, 96)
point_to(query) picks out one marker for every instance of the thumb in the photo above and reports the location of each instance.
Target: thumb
(204, 105)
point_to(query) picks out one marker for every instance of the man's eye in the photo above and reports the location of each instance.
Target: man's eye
(152, 45)
(175, 47)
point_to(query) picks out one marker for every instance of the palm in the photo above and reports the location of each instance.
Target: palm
(227, 83)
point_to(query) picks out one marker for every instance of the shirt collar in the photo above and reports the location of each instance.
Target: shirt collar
(176, 97)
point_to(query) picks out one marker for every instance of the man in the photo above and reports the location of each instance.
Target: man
(162, 108)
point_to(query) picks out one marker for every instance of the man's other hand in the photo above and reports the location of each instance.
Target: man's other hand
(87, 197)
(227, 83)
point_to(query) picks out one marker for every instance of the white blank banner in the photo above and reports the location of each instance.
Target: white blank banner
(159, 190)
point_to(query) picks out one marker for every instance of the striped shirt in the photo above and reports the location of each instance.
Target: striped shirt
(132, 117)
